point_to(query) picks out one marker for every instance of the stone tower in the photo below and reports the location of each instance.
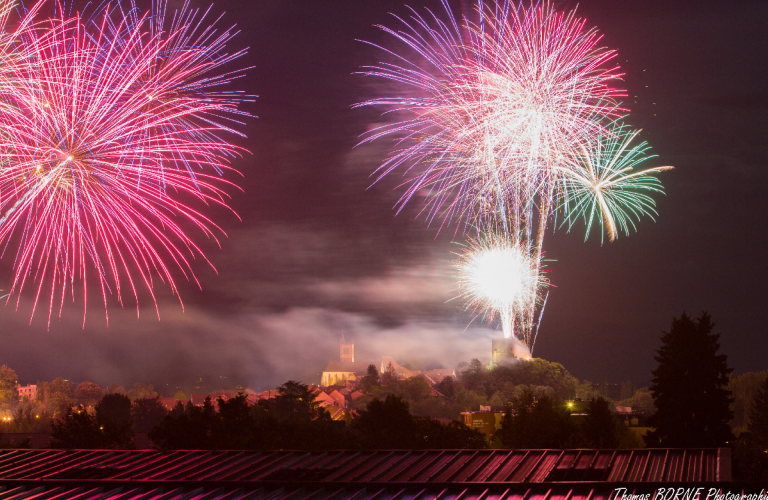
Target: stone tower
(502, 350)
(347, 350)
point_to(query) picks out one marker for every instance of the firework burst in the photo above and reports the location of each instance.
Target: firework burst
(602, 184)
(497, 276)
(112, 150)
(507, 121)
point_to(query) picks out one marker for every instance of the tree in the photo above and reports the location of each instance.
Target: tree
(30, 416)
(113, 416)
(389, 377)
(371, 379)
(387, 424)
(751, 454)
(497, 399)
(758, 416)
(295, 399)
(88, 393)
(414, 389)
(600, 424)
(627, 390)
(474, 376)
(292, 420)
(115, 388)
(469, 400)
(446, 387)
(585, 390)
(146, 413)
(536, 423)
(78, 429)
(180, 396)
(641, 401)
(9, 393)
(743, 389)
(142, 390)
(55, 396)
(194, 429)
(690, 387)
(235, 428)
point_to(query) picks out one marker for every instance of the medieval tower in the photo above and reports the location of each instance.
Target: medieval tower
(347, 350)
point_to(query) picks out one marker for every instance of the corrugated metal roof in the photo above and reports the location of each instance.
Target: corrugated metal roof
(381, 466)
(155, 491)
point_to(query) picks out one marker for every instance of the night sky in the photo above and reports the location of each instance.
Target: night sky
(319, 252)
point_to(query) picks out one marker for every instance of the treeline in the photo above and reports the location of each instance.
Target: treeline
(291, 420)
(478, 385)
(544, 421)
(53, 399)
(56, 396)
(294, 420)
(533, 395)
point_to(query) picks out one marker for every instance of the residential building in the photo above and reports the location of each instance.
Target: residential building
(29, 390)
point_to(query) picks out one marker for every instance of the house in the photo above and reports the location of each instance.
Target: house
(324, 399)
(29, 390)
(338, 398)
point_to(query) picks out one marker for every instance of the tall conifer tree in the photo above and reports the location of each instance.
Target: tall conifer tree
(690, 387)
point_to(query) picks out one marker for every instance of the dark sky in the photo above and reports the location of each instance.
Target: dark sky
(317, 253)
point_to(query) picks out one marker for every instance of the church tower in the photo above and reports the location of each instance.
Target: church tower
(347, 350)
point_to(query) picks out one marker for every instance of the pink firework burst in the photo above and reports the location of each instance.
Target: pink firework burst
(490, 104)
(113, 149)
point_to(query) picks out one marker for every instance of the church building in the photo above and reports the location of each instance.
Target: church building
(338, 372)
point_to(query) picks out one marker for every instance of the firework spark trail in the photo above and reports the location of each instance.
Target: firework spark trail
(508, 119)
(112, 149)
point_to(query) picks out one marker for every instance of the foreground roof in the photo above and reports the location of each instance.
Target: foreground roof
(317, 491)
(358, 475)
(383, 466)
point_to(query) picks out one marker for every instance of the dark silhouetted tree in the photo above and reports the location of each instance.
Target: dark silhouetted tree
(146, 413)
(387, 424)
(751, 451)
(542, 423)
(113, 416)
(291, 420)
(690, 387)
(758, 416)
(194, 429)
(77, 429)
(600, 425)
(295, 399)
(177, 410)
(236, 428)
